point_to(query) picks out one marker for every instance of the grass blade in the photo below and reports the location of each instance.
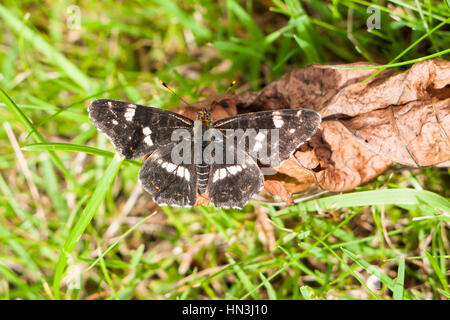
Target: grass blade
(443, 23)
(372, 198)
(438, 271)
(384, 278)
(372, 270)
(72, 147)
(50, 53)
(399, 284)
(91, 208)
(171, 9)
(271, 293)
(22, 118)
(117, 241)
(348, 267)
(67, 147)
(246, 282)
(304, 290)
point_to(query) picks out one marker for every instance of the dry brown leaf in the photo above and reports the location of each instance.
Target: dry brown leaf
(396, 117)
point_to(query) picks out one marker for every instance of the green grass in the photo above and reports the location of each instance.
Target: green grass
(89, 232)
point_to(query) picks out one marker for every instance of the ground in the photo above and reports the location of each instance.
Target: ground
(74, 222)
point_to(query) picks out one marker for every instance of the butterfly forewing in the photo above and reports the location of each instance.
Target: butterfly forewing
(135, 130)
(285, 129)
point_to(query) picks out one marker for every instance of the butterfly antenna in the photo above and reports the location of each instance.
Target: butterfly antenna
(173, 92)
(232, 84)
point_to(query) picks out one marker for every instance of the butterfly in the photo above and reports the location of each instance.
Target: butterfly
(138, 131)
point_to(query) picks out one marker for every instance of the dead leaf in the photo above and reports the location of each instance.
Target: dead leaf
(278, 188)
(394, 118)
(267, 230)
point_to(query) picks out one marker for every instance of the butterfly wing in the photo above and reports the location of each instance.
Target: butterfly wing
(170, 184)
(232, 185)
(295, 126)
(135, 130)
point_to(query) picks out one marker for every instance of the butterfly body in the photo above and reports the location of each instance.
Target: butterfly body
(184, 157)
(202, 124)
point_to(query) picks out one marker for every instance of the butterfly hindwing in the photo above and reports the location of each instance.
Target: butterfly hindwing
(232, 185)
(294, 127)
(169, 183)
(135, 130)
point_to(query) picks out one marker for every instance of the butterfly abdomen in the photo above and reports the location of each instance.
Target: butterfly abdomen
(202, 177)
